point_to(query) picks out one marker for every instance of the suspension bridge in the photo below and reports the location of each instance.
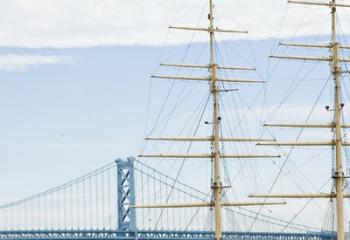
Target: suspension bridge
(99, 205)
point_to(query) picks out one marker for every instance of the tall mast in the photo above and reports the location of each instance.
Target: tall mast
(215, 156)
(338, 175)
(337, 142)
(217, 184)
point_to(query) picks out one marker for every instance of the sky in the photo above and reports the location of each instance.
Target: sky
(75, 88)
(87, 23)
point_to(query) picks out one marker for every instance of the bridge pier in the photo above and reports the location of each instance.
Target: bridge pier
(126, 195)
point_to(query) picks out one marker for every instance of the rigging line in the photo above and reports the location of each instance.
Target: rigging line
(167, 177)
(172, 85)
(291, 150)
(249, 109)
(188, 46)
(196, 213)
(246, 60)
(275, 67)
(251, 105)
(256, 64)
(242, 166)
(224, 42)
(190, 10)
(180, 101)
(227, 178)
(246, 39)
(221, 59)
(297, 169)
(327, 220)
(264, 107)
(300, 68)
(161, 51)
(271, 220)
(225, 162)
(268, 76)
(346, 149)
(236, 53)
(149, 98)
(291, 89)
(167, 36)
(275, 45)
(258, 94)
(341, 31)
(184, 160)
(305, 205)
(300, 172)
(205, 100)
(249, 42)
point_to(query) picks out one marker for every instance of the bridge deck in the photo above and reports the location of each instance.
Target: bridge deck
(157, 235)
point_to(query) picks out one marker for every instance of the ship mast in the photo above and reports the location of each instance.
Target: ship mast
(217, 184)
(216, 139)
(339, 174)
(337, 125)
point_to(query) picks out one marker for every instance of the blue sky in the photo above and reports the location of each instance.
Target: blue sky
(62, 118)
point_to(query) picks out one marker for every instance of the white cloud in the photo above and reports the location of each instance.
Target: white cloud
(22, 62)
(82, 23)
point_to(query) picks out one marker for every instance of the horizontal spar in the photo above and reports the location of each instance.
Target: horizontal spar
(321, 58)
(305, 45)
(205, 156)
(239, 80)
(207, 66)
(207, 29)
(304, 125)
(242, 204)
(205, 139)
(185, 65)
(176, 205)
(306, 195)
(207, 79)
(301, 144)
(207, 204)
(237, 68)
(318, 3)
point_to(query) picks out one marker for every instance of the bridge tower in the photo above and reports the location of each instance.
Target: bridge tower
(126, 195)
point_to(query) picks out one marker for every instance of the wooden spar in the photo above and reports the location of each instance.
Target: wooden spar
(327, 4)
(304, 125)
(305, 195)
(306, 45)
(207, 79)
(206, 139)
(201, 66)
(302, 144)
(318, 58)
(208, 156)
(207, 29)
(207, 204)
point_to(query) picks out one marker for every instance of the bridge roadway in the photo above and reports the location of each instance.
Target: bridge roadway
(156, 235)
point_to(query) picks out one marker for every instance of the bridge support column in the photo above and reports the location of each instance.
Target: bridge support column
(126, 195)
